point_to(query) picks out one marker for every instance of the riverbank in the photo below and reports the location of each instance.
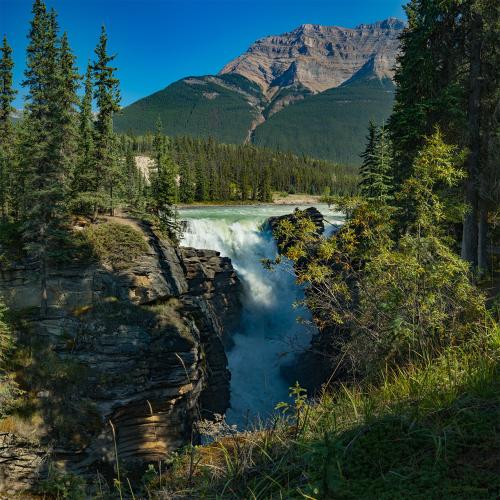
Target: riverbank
(278, 199)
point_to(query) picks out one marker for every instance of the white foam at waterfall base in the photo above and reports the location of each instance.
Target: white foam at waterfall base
(269, 333)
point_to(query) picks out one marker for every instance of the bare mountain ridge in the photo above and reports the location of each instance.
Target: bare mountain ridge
(319, 57)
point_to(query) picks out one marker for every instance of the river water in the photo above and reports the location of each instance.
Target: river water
(270, 334)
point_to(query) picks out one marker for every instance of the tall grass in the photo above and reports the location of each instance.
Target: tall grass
(429, 430)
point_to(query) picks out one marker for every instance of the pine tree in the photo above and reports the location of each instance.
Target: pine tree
(429, 90)
(84, 172)
(376, 180)
(201, 181)
(187, 186)
(7, 94)
(368, 157)
(45, 161)
(453, 48)
(265, 194)
(164, 189)
(107, 97)
(67, 107)
(133, 180)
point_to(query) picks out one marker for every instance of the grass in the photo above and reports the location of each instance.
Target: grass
(429, 431)
(115, 244)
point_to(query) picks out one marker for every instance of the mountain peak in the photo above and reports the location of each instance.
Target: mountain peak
(391, 23)
(319, 57)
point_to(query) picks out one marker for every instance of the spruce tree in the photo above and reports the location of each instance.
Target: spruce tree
(45, 159)
(201, 180)
(107, 97)
(187, 185)
(133, 188)
(67, 101)
(164, 189)
(376, 180)
(84, 172)
(368, 157)
(7, 94)
(265, 194)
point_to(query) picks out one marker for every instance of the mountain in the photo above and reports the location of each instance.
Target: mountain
(222, 107)
(331, 124)
(311, 91)
(319, 57)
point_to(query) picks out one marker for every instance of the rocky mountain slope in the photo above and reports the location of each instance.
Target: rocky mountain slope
(319, 57)
(280, 73)
(134, 354)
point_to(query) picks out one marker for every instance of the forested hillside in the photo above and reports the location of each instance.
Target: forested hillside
(220, 108)
(210, 171)
(331, 124)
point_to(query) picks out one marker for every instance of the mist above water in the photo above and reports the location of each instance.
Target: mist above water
(270, 334)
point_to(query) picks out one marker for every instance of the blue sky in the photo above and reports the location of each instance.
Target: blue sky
(160, 41)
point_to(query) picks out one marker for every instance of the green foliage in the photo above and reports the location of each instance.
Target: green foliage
(400, 298)
(376, 181)
(9, 390)
(7, 94)
(60, 485)
(107, 97)
(116, 244)
(427, 198)
(83, 182)
(223, 172)
(447, 77)
(11, 244)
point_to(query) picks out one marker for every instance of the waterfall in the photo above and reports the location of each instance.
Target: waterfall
(269, 334)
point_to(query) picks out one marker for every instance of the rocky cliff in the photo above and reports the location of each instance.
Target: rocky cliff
(318, 57)
(133, 355)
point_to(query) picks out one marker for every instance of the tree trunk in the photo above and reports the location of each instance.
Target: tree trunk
(482, 241)
(470, 229)
(470, 225)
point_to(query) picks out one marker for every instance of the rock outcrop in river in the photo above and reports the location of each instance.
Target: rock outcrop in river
(313, 366)
(134, 355)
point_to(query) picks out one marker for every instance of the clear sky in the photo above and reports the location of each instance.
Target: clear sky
(160, 41)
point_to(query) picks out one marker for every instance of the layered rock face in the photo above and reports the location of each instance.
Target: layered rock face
(133, 356)
(318, 57)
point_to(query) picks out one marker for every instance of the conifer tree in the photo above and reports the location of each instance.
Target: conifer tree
(84, 172)
(107, 97)
(368, 155)
(376, 179)
(45, 160)
(67, 101)
(133, 181)
(201, 181)
(7, 94)
(187, 185)
(164, 189)
(265, 194)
